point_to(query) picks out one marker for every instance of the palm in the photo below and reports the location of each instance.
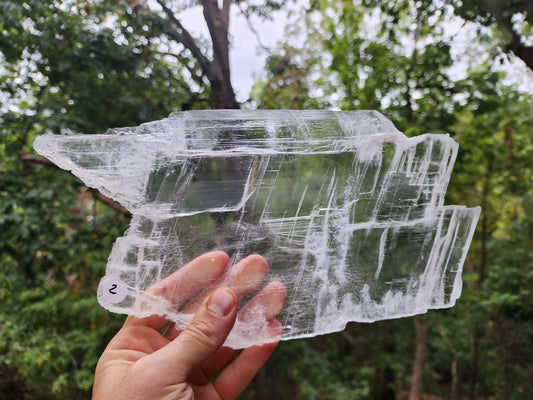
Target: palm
(134, 362)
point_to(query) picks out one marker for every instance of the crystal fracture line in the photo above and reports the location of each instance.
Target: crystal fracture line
(382, 242)
(347, 210)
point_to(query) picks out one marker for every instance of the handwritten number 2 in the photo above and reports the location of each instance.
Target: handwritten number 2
(112, 290)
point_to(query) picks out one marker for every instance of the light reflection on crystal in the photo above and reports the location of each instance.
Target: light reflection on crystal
(346, 209)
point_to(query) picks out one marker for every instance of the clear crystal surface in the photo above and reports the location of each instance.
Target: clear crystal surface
(347, 210)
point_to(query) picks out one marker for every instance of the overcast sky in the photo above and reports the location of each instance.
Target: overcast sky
(247, 58)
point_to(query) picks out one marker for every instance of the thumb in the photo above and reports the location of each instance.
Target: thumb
(204, 335)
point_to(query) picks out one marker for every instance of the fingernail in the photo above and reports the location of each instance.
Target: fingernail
(221, 302)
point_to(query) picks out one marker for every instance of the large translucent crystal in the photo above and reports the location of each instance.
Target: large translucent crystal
(347, 210)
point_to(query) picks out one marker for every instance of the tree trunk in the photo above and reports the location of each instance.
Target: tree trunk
(216, 70)
(473, 366)
(483, 262)
(418, 367)
(453, 389)
(217, 19)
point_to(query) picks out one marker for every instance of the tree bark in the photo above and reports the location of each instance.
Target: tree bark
(422, 329)
(217, 70)
(218, 24)
(453, 388)
(483, 262)
(474, 346)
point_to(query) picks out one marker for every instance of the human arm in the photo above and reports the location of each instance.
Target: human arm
(142, 363)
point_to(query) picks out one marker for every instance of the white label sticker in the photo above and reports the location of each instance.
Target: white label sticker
(113, 289)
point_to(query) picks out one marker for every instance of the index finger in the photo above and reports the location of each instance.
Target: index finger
(242, 278)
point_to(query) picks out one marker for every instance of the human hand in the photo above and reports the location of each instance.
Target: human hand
(142, 363)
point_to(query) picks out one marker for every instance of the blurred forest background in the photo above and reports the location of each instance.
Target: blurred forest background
(457, 67)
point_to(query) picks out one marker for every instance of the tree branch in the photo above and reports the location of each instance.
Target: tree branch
(106, 200)
(253, 30)
(182, 35)
(503, 15)
(195, 77)
(30, 158)
(525, 53)
(217, 71)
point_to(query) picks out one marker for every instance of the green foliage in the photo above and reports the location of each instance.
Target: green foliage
(87, 66)
(494, 170)
(511, 23)
(79, 66)
(53, 250)
(397, 58)
(285, 86)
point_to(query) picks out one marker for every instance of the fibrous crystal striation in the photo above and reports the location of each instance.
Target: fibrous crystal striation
(347, 210)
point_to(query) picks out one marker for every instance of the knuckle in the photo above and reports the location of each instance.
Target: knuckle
(201, 332)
